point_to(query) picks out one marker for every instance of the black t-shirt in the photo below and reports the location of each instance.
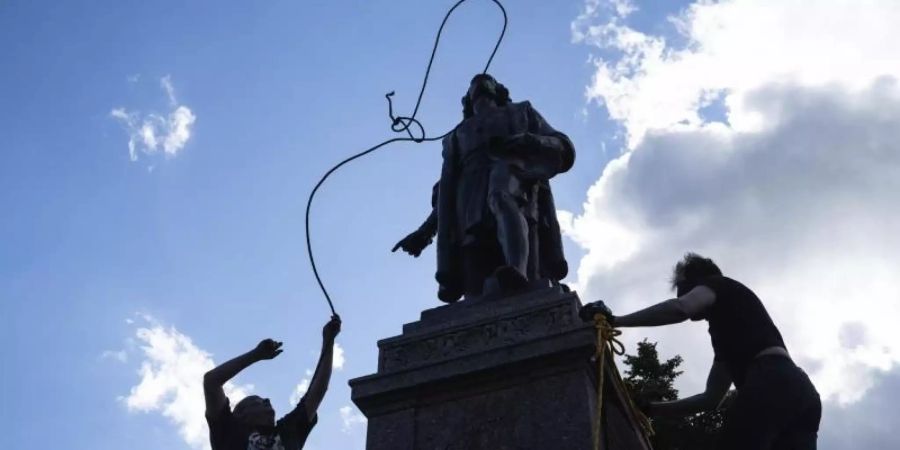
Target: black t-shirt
(226, 433)
(739, 326)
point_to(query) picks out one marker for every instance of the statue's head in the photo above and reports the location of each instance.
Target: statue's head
(483, 85)
(690, 271)
(255, 411)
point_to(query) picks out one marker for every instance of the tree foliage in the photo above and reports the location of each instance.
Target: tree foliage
(648, 380)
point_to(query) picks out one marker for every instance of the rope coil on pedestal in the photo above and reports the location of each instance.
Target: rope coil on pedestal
(607, 339)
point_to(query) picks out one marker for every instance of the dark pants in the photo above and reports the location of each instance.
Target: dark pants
(777, 408)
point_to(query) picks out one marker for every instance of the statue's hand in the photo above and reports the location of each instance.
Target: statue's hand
(517, 144)
(413, 243)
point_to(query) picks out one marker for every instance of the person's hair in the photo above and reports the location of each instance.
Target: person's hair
(502, 97)
(241, 406)
(691, 270)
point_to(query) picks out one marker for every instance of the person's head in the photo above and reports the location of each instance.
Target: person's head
(690, 271)
(255, 411)
(483, 85)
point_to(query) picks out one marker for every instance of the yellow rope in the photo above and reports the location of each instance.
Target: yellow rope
(607, 337)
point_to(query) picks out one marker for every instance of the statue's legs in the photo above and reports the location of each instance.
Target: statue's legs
(512, 228)
(480, 262)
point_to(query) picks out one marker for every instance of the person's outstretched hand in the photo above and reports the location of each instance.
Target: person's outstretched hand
(267, 349)
(599, 307)
(332, 328)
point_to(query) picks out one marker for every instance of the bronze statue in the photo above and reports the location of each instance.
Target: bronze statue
(492, 210)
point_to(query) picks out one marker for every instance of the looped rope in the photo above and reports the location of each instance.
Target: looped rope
(608, 334)
(607, 339)
(399, 124)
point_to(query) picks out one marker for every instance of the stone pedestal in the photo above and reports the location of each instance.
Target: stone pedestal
(508, 373)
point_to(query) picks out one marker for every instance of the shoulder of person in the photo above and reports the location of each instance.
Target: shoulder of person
(222, 413)
(697, 301)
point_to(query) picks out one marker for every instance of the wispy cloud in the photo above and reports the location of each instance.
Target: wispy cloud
(118, 355)
(351, 418)
(337, 363)
(166, 83)
(301, 388)
(171, 382)
(338, 360)
(153, 132)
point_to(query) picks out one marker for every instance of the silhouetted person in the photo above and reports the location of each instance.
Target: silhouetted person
(252, 426)
(777, 406)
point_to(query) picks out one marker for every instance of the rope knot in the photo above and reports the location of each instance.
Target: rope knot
(608, 334)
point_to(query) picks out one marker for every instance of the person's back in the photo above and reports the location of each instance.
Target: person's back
(739, 325)
(777, 405)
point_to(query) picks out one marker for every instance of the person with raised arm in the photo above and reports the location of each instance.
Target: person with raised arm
(251, 425)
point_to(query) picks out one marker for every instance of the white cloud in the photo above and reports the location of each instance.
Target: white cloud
(350, 418)
(337, 362)
(734, 47)
(172, 381)
(793, 194)
(301, 388)
(166, 83)
(118, 355)
(149, 133)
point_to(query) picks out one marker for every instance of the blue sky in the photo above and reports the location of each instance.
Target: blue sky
(209, 241)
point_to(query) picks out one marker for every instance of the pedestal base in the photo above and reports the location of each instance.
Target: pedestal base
(509, 373)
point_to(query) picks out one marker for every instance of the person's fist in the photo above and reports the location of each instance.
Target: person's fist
(267, 349)
(332, 328)
(599, 307)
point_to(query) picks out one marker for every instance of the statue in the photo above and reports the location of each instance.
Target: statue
(492, 210)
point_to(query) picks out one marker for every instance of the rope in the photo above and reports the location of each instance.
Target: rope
(607, 340)
(399, 124)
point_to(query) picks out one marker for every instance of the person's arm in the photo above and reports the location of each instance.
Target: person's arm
(717, 384)
(322, 376)
(672, 311)
(215, 379)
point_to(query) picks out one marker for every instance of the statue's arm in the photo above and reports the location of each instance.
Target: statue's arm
(549, 140)
(429, 227)
(422, 237)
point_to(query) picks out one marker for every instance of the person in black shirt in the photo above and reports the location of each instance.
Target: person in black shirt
(252, 426)
(777, 406)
